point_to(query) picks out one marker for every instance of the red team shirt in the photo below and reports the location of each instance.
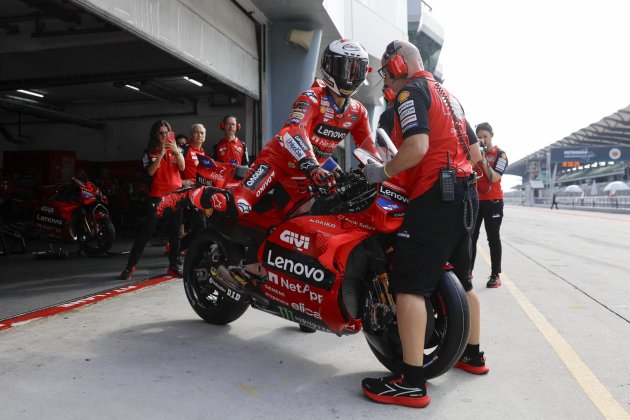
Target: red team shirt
(167, 177)
(498, 162)
(191, 160)
(230, 152)
(416, 107)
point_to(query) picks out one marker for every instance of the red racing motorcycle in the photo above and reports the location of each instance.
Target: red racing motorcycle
(326, 262)
(77, 212)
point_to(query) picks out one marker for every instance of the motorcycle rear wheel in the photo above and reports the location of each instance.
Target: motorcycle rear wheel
(447, 331)
(212, 305)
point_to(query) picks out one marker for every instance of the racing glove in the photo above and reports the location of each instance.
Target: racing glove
(322, 179)
(375, 173)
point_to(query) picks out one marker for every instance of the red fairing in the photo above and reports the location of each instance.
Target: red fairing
(306, 257)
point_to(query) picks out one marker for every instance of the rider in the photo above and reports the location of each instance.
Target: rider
(321, 117)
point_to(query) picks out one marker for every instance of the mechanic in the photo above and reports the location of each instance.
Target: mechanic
(435, 143)
(230, 149)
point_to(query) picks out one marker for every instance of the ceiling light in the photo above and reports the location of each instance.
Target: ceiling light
(28, 92)
(132, 87)
(193, 81)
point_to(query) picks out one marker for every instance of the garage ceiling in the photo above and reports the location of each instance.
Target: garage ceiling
(78, 61)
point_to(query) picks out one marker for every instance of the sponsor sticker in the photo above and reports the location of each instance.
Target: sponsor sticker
(243, 205)
(255, 178)
(311, 95)
(297, 266)
(403, 96)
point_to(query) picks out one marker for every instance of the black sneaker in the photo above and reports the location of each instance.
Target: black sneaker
(175, 271)
(127, 273)
(392, 390)
(494, 281)
(473, 364)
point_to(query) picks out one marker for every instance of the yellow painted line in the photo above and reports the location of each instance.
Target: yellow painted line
(593, 388)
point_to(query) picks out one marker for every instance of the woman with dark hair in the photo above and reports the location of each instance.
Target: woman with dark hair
(492, 167)
(162, 160)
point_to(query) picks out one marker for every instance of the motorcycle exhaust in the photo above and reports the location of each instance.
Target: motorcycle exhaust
(237, 284)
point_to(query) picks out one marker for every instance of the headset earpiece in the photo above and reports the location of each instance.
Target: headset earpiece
(389, 94)
(397, 67)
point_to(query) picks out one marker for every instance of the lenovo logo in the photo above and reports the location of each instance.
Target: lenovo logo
(331, 132)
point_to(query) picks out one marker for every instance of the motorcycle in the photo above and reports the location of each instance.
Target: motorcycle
(326, 261)
(77, 212)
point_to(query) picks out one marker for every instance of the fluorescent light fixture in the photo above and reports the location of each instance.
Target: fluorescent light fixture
(28, 92)
(193, 81)
(132, 87)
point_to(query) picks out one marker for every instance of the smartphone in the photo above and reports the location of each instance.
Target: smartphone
(171, 137)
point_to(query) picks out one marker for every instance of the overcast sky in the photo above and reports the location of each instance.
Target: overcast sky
(536, 70)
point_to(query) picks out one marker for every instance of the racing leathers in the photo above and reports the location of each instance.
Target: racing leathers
(314, 128)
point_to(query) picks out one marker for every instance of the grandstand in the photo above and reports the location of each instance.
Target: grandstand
(590, 158)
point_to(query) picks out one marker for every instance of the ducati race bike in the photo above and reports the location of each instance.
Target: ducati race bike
(326, 262)
(77, 212)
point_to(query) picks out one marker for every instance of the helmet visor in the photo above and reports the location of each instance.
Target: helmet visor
(350, 70)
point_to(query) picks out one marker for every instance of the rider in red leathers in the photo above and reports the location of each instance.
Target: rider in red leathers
(320, 118)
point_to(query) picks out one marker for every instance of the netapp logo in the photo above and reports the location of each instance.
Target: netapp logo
(256, 177)
(330, 132)
(300, 241)
(297, 266)
(394, 195)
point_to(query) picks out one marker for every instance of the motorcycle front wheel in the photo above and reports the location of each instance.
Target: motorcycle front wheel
(209, 250)
(102, 239)
(448, 328)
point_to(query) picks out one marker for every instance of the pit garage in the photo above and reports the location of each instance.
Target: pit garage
(80, 86)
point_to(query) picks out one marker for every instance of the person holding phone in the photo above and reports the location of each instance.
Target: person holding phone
(163, 162)
(490, 170)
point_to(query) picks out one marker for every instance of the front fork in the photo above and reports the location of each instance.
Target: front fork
(380, 308)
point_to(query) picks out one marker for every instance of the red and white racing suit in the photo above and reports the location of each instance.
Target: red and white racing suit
(314, 128)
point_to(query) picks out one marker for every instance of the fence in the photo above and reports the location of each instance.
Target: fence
(596, 202)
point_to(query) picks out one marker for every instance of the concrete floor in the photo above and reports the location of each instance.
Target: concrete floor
(556, 336)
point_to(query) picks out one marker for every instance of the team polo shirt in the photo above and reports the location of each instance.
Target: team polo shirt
(191, 160)
(167, 177)
(230, 152)
(498, 162)
(420, 109)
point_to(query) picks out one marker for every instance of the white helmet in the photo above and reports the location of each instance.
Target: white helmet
(344, 66)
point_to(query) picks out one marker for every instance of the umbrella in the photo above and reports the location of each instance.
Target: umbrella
(573, 189)
(616, 186)
(594, 188)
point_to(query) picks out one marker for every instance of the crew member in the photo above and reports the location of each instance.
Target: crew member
(490, 170)
(230, 149)
(434, 142)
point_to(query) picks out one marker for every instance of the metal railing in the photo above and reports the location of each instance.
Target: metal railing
(593, 202)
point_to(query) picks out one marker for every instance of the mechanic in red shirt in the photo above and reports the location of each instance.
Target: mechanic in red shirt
(230, 149)
(163, 161)
(490, 170)
(432, 135)
(321, 117)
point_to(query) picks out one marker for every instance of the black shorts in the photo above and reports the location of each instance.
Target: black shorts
(433, 233)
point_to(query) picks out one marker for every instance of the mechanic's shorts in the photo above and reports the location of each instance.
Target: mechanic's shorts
(433, 233)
